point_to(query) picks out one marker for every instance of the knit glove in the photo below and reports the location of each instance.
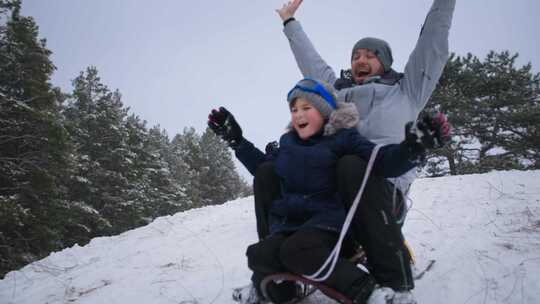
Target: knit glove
(430, 132)
(223, 124)
(438, 124)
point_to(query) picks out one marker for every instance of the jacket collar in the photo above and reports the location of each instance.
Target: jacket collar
(346, 79)
(389, 78)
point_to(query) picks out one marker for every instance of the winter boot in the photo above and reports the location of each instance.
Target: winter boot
(284, 292)
(362, 289)
(247, 295)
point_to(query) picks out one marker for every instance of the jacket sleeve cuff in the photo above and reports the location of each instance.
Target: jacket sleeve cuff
(287, 21)
(242, 143)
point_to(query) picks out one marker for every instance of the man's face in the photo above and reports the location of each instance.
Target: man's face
(364, 64)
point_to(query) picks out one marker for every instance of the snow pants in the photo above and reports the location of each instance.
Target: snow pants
(304, 252)
(374, 225)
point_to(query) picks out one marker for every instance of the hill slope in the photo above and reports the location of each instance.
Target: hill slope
(482, 230)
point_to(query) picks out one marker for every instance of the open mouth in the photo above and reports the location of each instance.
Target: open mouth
(302, 125)
(362, 74)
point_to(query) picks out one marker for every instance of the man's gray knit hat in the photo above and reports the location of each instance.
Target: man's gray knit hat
(319, 93)
(377, 46)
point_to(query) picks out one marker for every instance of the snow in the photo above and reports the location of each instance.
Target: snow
(482, 230)
(82, 179)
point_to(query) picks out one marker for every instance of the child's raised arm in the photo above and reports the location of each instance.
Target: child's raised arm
(393, 160)
(223, 124)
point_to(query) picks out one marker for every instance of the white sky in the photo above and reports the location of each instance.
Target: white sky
(173, 61)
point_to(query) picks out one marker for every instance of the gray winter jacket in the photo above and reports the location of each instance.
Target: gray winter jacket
(385, 107)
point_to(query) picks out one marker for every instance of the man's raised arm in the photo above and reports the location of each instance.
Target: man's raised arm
(427, 61)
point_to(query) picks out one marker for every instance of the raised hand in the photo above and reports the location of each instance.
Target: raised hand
(438, 124)
(432, 131)
(222, 123)
(287, 10)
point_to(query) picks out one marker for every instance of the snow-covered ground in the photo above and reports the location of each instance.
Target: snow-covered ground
(482, 230)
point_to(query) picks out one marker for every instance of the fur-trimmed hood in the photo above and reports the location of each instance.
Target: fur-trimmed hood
(344, 117)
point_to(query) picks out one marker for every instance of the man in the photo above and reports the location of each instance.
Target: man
(386, 100)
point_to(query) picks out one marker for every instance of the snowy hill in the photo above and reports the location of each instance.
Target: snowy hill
(482, 230)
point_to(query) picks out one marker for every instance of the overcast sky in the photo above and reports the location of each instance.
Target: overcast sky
(173, 61)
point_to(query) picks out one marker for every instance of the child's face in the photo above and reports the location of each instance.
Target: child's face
(305, 118)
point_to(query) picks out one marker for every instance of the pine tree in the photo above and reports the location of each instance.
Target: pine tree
(494, 109)
(180, 171)
(187, 165)
(33, 145)
(219, 180)
(162, 195)
(96, 120)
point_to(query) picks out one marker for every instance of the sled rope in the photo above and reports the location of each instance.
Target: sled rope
(334, 255)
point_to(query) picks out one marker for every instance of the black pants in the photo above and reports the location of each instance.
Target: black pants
(374, 226)
(304, 252)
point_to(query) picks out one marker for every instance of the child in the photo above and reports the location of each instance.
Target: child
(305, 222)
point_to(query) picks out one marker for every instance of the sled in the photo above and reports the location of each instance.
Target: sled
(308, 286)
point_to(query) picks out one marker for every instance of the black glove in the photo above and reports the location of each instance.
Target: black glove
(345, 80)
(222, 122)
(432, 131)
(272, 148)
(414, 143)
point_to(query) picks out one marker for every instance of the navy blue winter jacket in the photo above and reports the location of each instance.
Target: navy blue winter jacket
(307, 172)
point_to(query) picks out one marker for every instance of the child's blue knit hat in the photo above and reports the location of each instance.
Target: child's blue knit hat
(319, 93)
